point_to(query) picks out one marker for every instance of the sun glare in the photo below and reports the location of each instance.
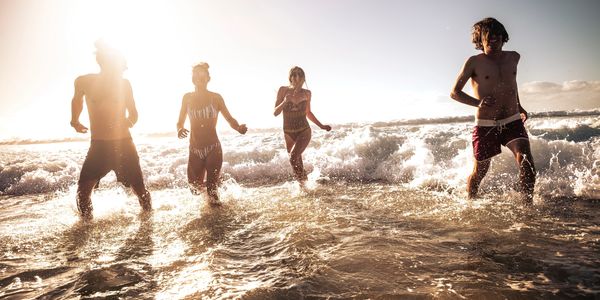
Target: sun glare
(130, 27)
(146, 34)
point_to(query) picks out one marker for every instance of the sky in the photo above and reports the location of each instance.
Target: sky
(365, 61)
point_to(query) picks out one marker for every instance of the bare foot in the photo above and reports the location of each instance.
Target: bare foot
(527, 200)
(86, 217)
(145, 215)
(146, 201)
(472, 196)
(214, 201)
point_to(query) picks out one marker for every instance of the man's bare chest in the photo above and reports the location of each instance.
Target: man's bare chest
(491, 73)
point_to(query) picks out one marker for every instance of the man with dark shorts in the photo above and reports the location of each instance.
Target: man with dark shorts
(112, 111)
(500, 117)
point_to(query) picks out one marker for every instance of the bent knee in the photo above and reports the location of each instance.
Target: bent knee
(525, 160)
(481, 166)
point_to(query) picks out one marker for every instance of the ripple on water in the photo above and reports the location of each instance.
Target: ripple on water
(338, 241)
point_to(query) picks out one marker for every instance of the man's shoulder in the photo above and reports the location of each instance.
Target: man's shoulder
(86, 77)
(513, 54)
(126, 83)
(476, 57)
(474, 61)
(85, 80)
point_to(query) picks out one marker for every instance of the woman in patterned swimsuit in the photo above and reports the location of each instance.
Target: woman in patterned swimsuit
(294, 102)
(206, 157)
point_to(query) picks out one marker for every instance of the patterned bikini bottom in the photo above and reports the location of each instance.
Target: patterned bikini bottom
(203, 152)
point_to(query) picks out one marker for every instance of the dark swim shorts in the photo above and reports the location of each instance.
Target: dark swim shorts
(487, 139)
(112, 155)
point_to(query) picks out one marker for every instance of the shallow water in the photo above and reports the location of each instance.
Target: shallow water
(335, 241)
(384, 217)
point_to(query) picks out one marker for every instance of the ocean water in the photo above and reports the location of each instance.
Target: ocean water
(384, 217)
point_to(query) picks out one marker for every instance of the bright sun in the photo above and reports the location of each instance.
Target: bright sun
(137, 30)
(129, 26)
(161, 41)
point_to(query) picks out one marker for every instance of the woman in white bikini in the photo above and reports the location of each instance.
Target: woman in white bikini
(205, 156)
(294, 102)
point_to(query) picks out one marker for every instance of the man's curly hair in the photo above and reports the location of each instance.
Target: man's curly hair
(487, 27)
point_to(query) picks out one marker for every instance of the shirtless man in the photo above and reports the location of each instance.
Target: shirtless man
(112, 112)
(500, 116)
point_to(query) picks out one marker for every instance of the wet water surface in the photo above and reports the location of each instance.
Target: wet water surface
(335, 241)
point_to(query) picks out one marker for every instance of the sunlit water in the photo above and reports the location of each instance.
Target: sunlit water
(384, 217)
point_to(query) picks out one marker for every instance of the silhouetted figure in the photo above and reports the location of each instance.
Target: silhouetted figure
(206, 156)
(111, 108)
(500, 117)
(294, 102)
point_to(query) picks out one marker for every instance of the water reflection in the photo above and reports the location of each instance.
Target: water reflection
(209, 229)
(376, 242)
(193, 276)
(105, 273)
(141, 244)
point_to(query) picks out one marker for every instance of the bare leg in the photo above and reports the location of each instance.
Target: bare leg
(84, 201)
(214, 161)
(143, 196)
(522, 151)
(295, 149)
(196, 170)
(479, 171)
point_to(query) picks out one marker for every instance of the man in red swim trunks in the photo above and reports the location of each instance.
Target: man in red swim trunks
(500, 116)
(112, 112)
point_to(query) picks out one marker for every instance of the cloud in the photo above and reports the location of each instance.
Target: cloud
(569, 95)
(578, 85)
(538, 87)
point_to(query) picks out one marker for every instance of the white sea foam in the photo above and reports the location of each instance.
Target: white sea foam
(434, 157)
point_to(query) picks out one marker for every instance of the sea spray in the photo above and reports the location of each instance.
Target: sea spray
(436, 157)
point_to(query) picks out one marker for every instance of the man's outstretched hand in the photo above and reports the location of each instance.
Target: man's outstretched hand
(524, 115)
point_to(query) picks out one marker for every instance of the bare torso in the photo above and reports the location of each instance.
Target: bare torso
(106, 100)
(203, 110)
(496, 77)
